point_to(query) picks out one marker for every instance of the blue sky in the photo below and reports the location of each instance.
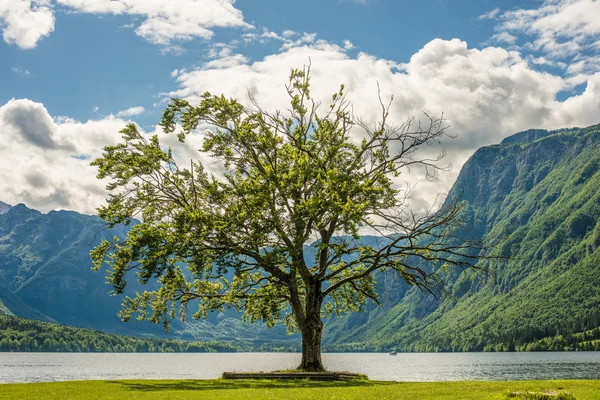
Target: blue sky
(95, 60)
(73, 71)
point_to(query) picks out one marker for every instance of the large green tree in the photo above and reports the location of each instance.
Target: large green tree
(243, 239)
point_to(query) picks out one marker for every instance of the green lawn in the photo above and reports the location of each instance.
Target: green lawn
(304, 390)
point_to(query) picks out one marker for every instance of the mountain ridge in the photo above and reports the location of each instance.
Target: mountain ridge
(538, 190)
(542, 196)
(4, 207)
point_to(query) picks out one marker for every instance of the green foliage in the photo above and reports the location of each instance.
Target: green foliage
(581, 341)
(18, 334)
(542, 198)
(4, 310)
(290, 178)
(62, 288)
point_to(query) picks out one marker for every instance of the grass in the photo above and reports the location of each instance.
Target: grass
(305, 390)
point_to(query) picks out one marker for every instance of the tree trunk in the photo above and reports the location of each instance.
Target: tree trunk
(311, 339)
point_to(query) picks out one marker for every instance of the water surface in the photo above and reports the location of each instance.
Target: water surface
(46, 367)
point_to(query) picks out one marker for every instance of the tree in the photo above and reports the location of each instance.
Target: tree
(243, 240)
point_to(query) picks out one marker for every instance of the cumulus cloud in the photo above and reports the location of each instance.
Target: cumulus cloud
(25, 22)
(562, 34)
(45, 160)
(29, 122)
(288, 39)
(585, 108)
(486, 94)
(131, 112)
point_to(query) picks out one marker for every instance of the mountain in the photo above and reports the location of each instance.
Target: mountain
(45, 270)
(4, 207)
(538, 195)
(45, 274)
(19, 334)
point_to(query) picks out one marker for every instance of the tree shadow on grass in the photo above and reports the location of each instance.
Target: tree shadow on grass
(220, 384)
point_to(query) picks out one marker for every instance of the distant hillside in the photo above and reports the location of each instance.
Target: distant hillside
(4, 207)
(45, 274)
(538, 191)
(18, 334)
(45, 270)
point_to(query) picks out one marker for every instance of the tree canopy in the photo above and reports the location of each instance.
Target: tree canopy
(277, 236)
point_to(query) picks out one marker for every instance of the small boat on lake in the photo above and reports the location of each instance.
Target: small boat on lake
(393, 353)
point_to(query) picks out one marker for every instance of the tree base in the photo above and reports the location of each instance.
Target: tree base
(317, 376)
(311, 367)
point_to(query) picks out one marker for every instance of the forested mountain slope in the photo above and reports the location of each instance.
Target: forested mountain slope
(45, 274)
(45, 270)
(19, 334)
(538, 193)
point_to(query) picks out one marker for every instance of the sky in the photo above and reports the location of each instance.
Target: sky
(74, 72)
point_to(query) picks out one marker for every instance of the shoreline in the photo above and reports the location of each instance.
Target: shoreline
(237, 381)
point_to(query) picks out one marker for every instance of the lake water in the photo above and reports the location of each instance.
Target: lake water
(39, 367)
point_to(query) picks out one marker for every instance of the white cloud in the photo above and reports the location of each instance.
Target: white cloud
(21, 72)
(582, 68)
(504, 37)
(363, 2)
(288, 33)
(486, 94)
(30, 123)
(227, 62)
(222, 56)
(546, 61)
(165, 22)
(45, 160)
(305, 38)
(288, 39)
(25, 22)
(490, 14)
(131, 112)
(585, 108)
(559, 28)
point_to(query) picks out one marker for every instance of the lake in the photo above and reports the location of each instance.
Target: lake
(40, 367)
